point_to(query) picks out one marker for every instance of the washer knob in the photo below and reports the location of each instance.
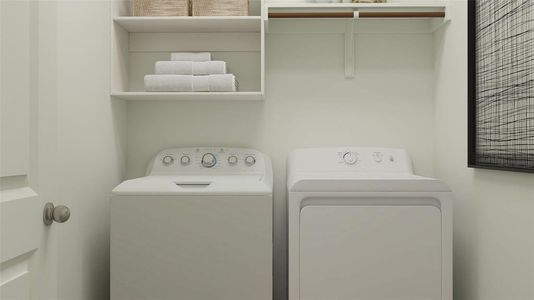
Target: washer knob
(168, 160)
(250, 160)
(185, 160)
(350, 158)
(232, 160)
(209, 160)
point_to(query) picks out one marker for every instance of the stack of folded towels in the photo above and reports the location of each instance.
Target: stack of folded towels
(190, 72)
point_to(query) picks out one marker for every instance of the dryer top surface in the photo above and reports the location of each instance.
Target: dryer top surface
(356, 169)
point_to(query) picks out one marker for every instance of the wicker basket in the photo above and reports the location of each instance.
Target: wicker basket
(160, 7)
(220, 7)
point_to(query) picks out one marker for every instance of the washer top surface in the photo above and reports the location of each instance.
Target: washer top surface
(203, 170)
(356, 169)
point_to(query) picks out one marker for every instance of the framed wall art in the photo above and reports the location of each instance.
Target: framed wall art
(501, 84)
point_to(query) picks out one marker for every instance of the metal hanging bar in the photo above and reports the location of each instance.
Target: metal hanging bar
(302, 15)
(399, 14)
(362, 15)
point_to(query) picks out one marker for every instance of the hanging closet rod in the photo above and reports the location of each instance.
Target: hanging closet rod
(361, 14)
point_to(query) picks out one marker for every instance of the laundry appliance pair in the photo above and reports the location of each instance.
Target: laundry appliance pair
(361, 225)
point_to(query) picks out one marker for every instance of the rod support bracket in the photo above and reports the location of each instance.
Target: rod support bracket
(349, 46)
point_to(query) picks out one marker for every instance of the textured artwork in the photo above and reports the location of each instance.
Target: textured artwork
(501, 108)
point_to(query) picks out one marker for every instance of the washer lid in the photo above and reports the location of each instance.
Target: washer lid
(369, 182)
(194, 185)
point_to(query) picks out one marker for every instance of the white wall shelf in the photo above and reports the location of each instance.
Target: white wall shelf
(190, 24)
(200, 96)
(366, 16)
(438, 6)
(354, 18)
(138, 42)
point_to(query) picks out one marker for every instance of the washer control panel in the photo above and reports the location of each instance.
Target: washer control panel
(208, 160)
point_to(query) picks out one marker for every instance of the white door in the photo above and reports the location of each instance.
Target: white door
(28, 263)
(370, 252)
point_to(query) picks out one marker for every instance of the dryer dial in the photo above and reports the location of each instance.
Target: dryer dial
(350, 158)
(209, 160)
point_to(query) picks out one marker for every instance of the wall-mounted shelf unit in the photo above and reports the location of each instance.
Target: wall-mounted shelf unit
(138, 42)
(367, 17)
(354, 18)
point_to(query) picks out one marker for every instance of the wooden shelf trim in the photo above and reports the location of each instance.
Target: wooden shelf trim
(361, 15)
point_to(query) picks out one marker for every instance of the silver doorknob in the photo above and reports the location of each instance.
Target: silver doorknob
(52, 213)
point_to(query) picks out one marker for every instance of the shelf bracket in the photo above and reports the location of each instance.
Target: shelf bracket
(349, 46)
(437, 24)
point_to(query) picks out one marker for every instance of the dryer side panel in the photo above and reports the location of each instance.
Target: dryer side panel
(371, 252)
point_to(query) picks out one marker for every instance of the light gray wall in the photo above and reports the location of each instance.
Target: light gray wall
(309, 103)
(91, 133)
(494, 210)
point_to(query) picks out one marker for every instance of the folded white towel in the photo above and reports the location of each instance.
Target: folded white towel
(169, 83)
(190, 67)
(223, 83)
(190, 83)
(188, 56)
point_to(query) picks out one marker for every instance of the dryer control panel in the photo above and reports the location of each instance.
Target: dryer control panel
(351, 159)
(209, 161)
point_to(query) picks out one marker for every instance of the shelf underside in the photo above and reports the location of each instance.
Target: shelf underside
(355, 10)
(200, 96)
(393, 6)
(190, 24)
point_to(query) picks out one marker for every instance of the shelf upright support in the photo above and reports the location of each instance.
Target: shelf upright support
(265, 15)
(349, 46)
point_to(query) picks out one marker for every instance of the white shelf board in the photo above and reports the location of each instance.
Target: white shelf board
(394, 7)
(196, 96)
(362, 25)
(190, 24)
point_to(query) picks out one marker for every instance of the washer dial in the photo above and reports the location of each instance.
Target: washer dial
(185, 160)
(209, 160)
(250, 160)
(167, 160)
(232, 160)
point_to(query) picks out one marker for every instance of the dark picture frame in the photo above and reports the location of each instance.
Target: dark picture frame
(492, 142)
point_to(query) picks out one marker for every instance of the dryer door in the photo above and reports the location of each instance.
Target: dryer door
(371, 252)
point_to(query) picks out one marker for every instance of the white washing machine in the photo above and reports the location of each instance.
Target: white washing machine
(197, 227)
(363, 226)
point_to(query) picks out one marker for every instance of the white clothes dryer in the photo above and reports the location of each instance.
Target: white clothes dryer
(363, 226)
